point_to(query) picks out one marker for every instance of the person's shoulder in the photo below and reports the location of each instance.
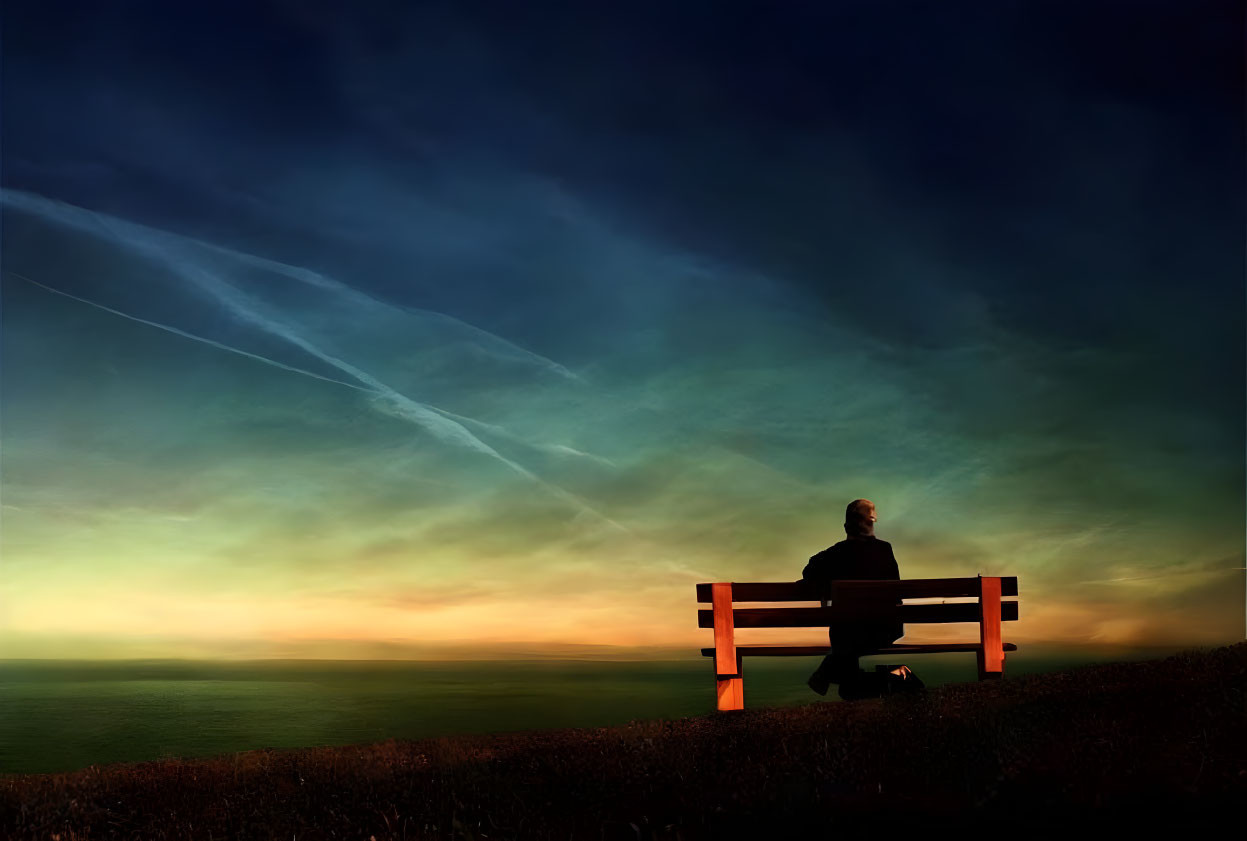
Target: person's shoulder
(885, 549)
(831, 550)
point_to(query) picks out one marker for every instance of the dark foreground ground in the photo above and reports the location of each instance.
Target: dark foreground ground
(1124, 749)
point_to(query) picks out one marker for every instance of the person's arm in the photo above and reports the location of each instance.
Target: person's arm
(818, 573)
(895, 569)
(811, 571)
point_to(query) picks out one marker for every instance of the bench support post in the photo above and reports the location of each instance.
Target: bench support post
(991, 655)
(730, 691)
(728, 666)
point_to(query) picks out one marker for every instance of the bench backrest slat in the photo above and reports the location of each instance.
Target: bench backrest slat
(912, 588)
(814, 617)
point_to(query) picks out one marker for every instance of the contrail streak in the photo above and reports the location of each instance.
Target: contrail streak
(178, 332)
(135, 234)
(443, 428)
(494, 429)
(322, 281)
(167, 249)
(387, 398)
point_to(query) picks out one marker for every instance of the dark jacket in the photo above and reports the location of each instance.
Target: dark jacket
(857, 558)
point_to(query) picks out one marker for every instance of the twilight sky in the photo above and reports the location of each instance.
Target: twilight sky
(387, 328)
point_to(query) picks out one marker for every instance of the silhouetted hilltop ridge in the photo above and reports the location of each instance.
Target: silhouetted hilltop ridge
(1159, 743)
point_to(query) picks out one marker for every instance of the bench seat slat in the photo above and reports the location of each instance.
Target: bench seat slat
(781, 650)
(813, 617)
(913, 588)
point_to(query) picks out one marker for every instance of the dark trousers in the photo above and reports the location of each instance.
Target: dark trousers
(847, 645)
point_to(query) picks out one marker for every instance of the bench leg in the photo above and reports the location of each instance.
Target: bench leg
(991, 655)
(730, 689)
(988, 674)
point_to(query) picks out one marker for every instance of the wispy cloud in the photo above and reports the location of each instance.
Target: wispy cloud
(171, 253)
(177, 332)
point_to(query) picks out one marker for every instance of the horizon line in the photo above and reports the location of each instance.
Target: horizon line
(575, 656)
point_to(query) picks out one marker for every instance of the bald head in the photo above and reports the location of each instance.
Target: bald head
(859, 518)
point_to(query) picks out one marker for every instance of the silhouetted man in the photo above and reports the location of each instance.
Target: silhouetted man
(861, 556)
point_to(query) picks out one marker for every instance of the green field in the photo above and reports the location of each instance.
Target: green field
(59, 715)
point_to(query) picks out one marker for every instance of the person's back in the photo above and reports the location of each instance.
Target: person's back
(857, 558)
(863, 557)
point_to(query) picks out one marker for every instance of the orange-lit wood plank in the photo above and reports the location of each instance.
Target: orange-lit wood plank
(730, 691)
(992, 657)
(725, 660)
(912, 588)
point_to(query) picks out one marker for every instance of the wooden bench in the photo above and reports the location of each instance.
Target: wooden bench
(852, 601)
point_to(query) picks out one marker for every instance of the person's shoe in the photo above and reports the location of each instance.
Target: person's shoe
(899, 678)
(819, 682)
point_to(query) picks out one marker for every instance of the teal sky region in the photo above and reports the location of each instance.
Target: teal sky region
(440, 328)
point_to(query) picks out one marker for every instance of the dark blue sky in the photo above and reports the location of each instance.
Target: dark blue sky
(985, 258)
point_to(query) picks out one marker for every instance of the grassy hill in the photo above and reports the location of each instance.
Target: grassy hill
(1159, 744)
